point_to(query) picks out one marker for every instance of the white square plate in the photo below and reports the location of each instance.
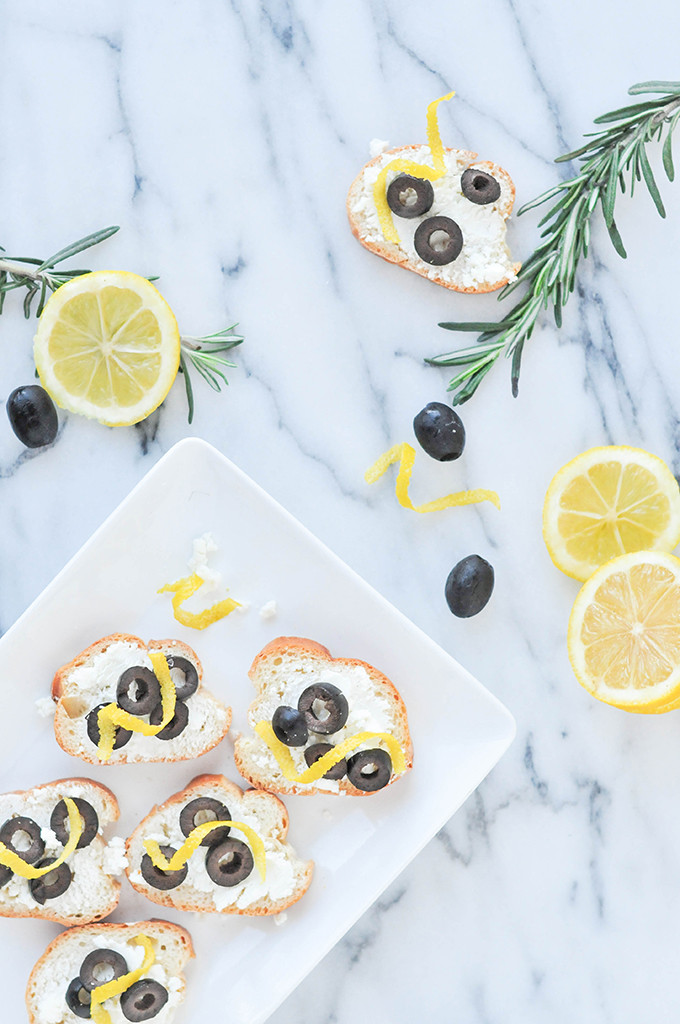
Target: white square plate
(247, 965)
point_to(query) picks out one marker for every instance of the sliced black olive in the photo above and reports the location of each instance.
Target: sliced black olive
(51, 885)
(78, 999)
(5, 874)
(22, 836)
(101, 966)
(479, 187)
(159, 879)
(89, 819)
(409, 197)
(187, 688)
(290, 726)
(229, 862)
(440, 432)
(122, 736)
(138, 690)
(438, 240)
(32, 416)
(175, 726)
(469, 586)
(143, 1000)
(369, 770)
(201, 810)
(317, 750)
(325, 708)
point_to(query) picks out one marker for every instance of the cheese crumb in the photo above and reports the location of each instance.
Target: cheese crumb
(269, 610)
(45, 707)
(377, 146)
(114, 860)
(281, 918)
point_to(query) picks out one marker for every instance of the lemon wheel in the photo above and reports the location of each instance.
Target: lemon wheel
(108, 347)
(607, 502)
(624, 633)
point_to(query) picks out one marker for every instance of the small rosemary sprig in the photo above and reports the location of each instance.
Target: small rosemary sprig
(550, 271)
(39, 276)
(203, 354)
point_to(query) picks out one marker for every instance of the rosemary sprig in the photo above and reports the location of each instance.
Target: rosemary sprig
(204, 355)
(39, 276)
(550, 271)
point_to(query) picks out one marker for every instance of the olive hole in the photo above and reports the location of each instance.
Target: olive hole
(203, 816)
(320, 710)
(103, 973)
(145, 1003)
(177, 676)
(50, 878)
(21, 841)
(230, 863)
(84, 997)
(479, 183)
(439, 240)
(137, 690)
(369, 769)
(408, 197)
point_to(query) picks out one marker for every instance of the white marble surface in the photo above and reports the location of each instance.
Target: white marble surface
(222, 136)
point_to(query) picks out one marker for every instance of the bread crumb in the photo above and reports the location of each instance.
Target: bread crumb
(377, 146)
(45, 707)
(269, 610)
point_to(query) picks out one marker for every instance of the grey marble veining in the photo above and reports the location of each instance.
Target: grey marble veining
(222, 135)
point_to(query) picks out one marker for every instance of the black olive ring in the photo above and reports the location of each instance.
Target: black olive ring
(53, 884)
(159, 879)
(88, 816)
(438, 255)
(146, 690)
(205, 808)
(479, 187)
(333, 702)
(31, 828)
(410, 197)
(187, 688)
(91, 974)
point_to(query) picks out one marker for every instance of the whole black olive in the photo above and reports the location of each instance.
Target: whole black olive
(325, 708)
(101, 966)
(369, 770)
(290, 726)
(143, 1000)
(469, 586)
(32, 416)
(175, 726)
(479, 187)
(159, 879)
(89, 821)
(122, 736)
(410, 197)
(317, 750)
(138, 691)
(200, 811)
(22, 836)
(440, 432)
(189, 684)
(78, 999)
(229, 862)
(51, 885)
(438, 240)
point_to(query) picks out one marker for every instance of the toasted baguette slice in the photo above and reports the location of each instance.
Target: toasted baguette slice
(280, 672)
(91, 679)
(484, 264)
(92, 892)
(287, 877)
(61, 963)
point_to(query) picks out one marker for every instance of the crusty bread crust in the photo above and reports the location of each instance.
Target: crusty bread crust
(393, 253)
(63, 722)
(297, 647)
(222, 789)
(106, 806)
(162, 932)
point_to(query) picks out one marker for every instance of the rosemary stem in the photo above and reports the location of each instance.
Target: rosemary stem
(22, 270)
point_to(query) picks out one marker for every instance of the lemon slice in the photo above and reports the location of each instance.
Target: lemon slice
(624, 632)
(107, 347)
(606, 502)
